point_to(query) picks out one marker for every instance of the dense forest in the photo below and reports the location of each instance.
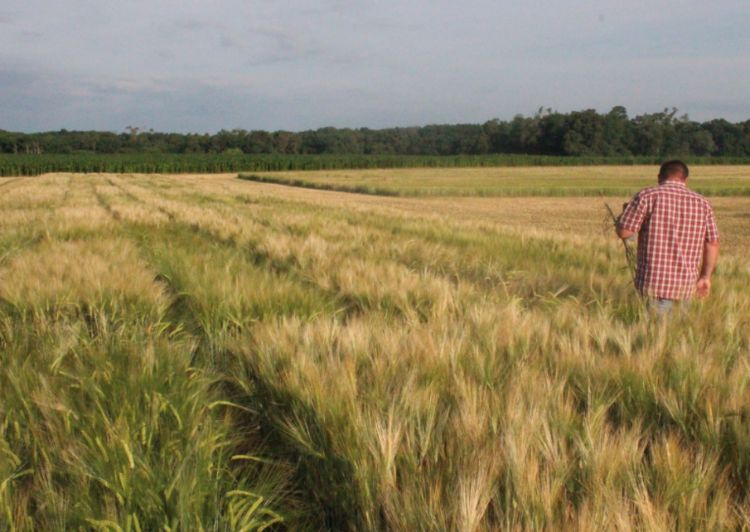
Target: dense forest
(580, 133)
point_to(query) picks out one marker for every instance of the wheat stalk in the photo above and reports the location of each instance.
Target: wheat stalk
(630, 256)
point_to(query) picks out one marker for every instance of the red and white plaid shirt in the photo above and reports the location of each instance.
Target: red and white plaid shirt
(673, 224)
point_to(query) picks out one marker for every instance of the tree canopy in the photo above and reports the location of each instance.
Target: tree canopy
(547, 132)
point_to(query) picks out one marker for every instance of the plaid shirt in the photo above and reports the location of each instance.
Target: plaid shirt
(673, 224)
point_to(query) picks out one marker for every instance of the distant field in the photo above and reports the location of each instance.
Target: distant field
(199, 163)
(510, 181)
(207, 353)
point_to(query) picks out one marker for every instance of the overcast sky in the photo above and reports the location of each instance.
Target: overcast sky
(200, 66)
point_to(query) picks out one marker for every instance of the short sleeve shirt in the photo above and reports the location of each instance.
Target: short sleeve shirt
(673, 224)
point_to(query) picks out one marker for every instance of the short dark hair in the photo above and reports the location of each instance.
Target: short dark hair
(673, 167)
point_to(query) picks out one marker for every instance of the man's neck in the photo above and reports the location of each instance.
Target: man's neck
(674, 181)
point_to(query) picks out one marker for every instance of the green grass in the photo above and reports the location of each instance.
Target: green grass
(210, 354)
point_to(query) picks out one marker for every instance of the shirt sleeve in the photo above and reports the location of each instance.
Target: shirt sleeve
(632, 217)
(712, 230)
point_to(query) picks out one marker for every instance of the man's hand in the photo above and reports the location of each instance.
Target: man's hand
(710, 255)
(703, 287)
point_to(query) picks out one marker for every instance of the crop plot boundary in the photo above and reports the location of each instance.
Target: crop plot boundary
(562, 188)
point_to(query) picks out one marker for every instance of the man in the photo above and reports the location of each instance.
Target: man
(678, 241)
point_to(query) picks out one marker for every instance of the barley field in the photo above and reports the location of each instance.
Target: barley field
(209, 353)
(509, 181)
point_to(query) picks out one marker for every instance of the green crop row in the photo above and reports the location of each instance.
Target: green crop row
(28, 165)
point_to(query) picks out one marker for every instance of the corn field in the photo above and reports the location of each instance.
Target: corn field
(173, 163)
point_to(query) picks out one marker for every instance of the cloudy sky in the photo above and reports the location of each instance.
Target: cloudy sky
(195, 65)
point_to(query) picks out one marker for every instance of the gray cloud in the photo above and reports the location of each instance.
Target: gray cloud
(258, 45)
(46, 100)
(32, 100)
(192, 24)
(173, 65)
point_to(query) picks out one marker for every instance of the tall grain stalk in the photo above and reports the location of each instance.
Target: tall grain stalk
(630, 255)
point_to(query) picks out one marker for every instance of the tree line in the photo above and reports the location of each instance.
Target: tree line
(579, 133)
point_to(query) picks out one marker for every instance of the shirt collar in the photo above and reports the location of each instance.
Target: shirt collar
(674, 182)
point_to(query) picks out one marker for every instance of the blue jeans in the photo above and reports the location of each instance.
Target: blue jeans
(663, 307)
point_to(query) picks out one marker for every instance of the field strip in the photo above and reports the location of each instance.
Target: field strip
(502, 182)
(429, 192)
(612, 259)
(229, 290)
(394, 230)
(71, 275)
(209, 227)
(581, 217)
(29, 223)
(104, 203)
(35, 192)
(283, 252)
(281, 249)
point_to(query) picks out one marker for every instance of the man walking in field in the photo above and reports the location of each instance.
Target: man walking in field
(678, 241)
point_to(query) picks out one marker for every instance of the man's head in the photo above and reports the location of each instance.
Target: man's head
(673, 170)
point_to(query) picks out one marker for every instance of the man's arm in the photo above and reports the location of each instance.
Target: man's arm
(633, 214)
(710, 256)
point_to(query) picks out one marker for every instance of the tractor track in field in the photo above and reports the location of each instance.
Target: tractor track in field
(8, 181)
(104, 204)
(170, 216)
